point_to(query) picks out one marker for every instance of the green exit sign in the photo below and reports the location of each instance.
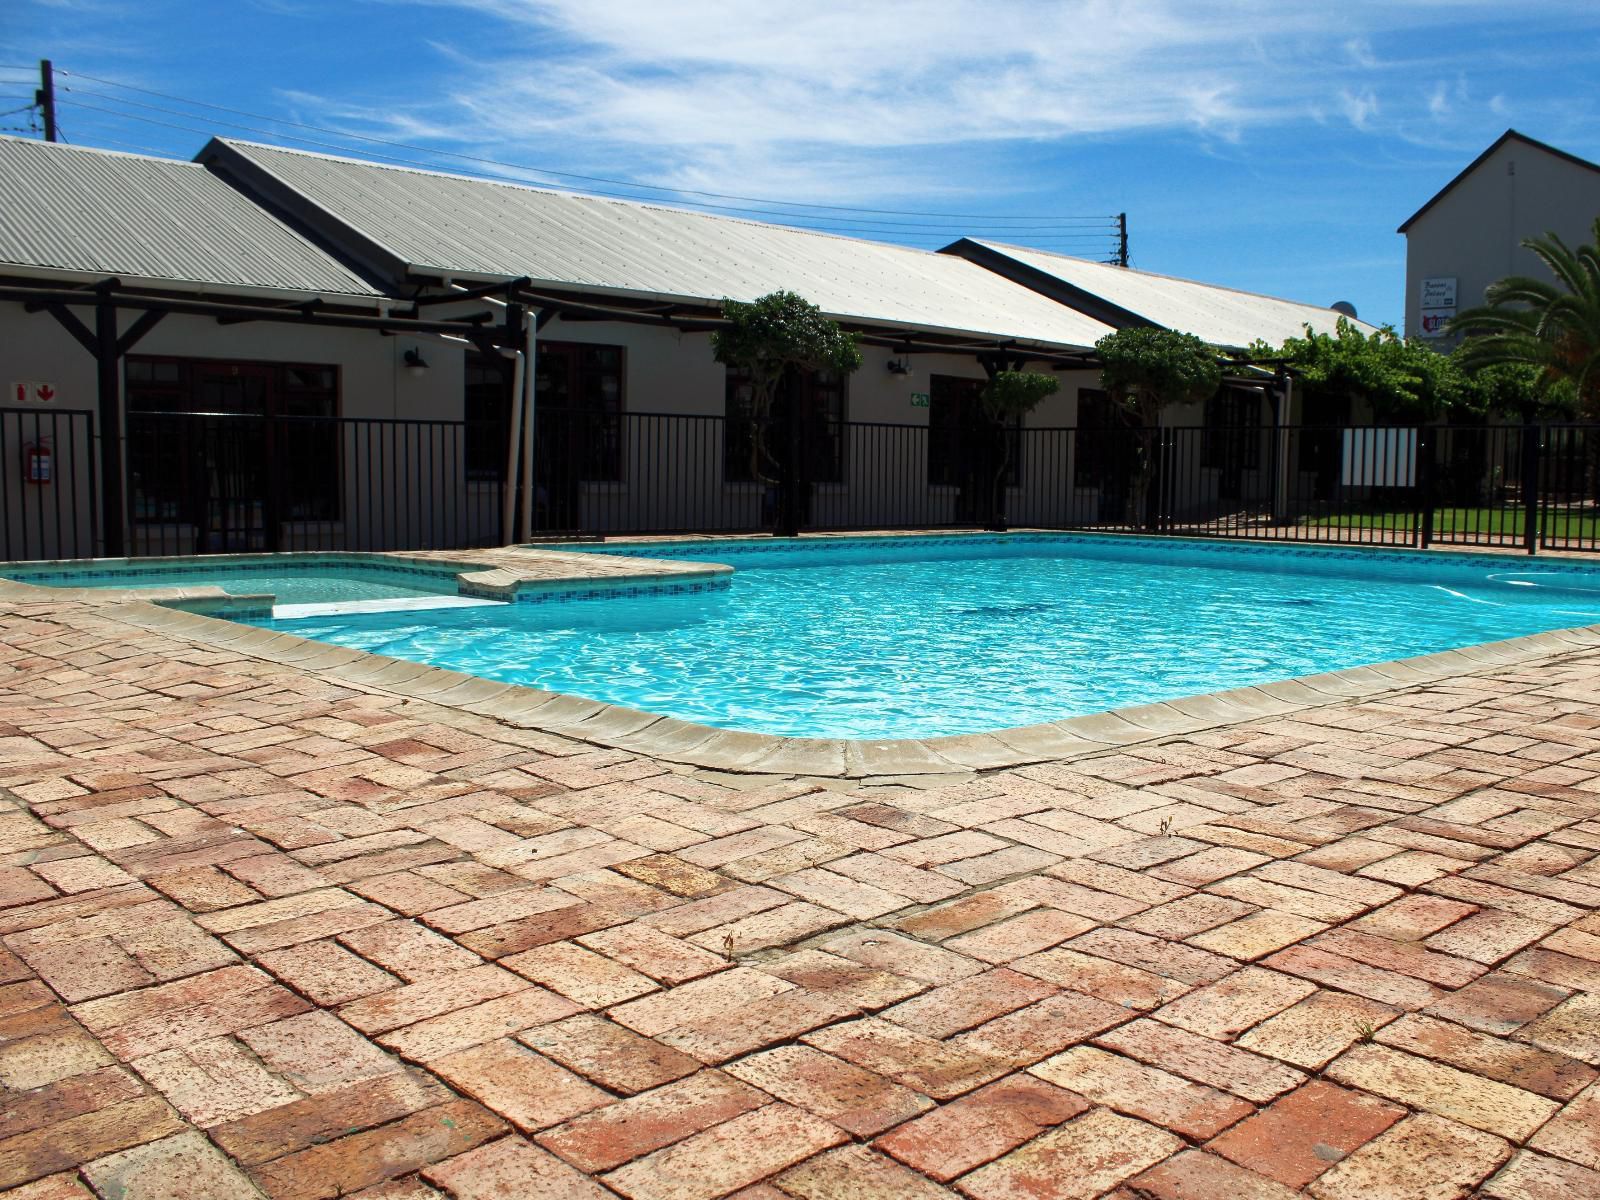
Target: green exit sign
(919, 399)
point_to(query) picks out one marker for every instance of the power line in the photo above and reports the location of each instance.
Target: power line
(1085, 236)
(748, 200)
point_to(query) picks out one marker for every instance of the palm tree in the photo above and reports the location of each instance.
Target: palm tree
(1552, 327)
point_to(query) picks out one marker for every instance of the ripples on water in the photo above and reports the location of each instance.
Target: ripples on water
(916, 649)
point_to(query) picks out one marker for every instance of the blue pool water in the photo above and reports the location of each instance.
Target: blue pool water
(932, 636)
(309, 584)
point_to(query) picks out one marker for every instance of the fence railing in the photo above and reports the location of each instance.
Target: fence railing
(1509, 486)
(221, 482)
(201, 483)
(49, 483)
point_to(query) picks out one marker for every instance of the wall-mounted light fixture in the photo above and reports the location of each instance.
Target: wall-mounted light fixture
(415, 363)
(900, 366)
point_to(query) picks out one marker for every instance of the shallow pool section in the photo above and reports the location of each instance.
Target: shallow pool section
(325, 581)
(920, 637)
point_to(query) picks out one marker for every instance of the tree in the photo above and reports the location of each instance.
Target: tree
(1404, 381)
(1510, 389)
(1553, 328)
(1145, 370)
(768, 339)
(1009, 396)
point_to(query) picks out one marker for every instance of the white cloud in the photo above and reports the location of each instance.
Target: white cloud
(814, 98)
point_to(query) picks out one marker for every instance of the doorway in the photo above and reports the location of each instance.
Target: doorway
(965, 447)
(222, 449)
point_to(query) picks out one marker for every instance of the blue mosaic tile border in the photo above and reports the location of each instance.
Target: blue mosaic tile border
(722, 551)
(288, 564)
(569, 595)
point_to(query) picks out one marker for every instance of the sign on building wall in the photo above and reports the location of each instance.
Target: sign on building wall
(31, 392)
(1438, 305)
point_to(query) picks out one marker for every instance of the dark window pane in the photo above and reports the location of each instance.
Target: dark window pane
(1107, 447)
(579, 401)
(487, 411)
(821, 398)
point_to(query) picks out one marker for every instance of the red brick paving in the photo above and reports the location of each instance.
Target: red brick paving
(265, 934)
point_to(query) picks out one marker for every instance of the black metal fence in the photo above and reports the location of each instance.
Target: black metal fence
(1519, 487)
(204, 483)
(224, 482)
(49, 486)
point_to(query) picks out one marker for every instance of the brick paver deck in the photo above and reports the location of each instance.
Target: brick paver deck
(270, 934)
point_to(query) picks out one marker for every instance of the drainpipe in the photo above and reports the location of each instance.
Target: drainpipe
(519, 372)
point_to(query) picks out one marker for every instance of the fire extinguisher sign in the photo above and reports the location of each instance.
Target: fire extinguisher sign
(32, 392)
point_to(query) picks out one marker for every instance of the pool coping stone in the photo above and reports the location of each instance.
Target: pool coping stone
(675, 740)
(212, 616)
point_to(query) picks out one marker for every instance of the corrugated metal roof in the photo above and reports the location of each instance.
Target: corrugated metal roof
(70, 208)
(1218, 315)
(457, 225)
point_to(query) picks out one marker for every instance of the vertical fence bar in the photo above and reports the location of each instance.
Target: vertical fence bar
(1530, 486)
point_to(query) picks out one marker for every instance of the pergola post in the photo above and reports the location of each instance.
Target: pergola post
(113, 491)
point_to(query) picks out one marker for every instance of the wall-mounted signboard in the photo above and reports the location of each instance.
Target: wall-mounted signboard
(1438, 305)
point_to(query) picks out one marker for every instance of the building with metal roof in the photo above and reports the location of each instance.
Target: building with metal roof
(413, 226)
(267, 339)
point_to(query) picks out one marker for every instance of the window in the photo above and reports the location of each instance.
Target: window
(208, 441)
(1107, 448)
(578, 399)
(487, 410)
(822, 397)
(1232, 439)
(961, 437)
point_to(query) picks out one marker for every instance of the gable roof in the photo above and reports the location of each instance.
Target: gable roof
(409, 222)
(1508, 135)
(1123, 296)
(81, 211)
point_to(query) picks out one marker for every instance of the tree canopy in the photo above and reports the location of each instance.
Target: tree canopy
(1147, 369)
(1402, 379)
(777, 332)
(1551, 328)
(1011, 394)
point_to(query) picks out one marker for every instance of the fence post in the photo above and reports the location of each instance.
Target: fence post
(1531, 458)
(1425, 464)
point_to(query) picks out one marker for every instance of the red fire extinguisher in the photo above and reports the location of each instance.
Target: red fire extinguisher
(36, 463)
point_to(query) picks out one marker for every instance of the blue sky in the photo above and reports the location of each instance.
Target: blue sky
(1259, 145)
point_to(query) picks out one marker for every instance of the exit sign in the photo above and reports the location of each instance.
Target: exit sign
(919, 399)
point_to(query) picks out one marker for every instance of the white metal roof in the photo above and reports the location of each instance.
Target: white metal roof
(455, 225)
(1217, 315)
(100, 212)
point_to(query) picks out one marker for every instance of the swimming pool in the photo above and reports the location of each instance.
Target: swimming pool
(949, 634)
(309, 580)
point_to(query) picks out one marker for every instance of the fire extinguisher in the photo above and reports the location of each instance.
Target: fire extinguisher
(36, 463)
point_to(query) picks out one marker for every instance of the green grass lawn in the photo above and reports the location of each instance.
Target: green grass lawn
(1506, 522)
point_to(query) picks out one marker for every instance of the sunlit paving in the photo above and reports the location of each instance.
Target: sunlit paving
(799, 602)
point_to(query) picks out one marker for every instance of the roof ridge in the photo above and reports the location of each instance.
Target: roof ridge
(73, 148)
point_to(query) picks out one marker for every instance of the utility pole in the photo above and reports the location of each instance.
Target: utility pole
(45, 98)
(1122, 239)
